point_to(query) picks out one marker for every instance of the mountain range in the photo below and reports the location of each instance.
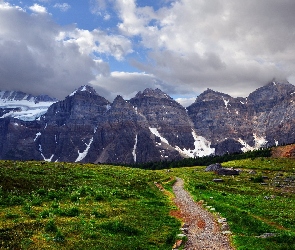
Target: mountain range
(85, 127)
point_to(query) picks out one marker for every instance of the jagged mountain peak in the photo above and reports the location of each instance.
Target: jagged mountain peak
(45, 98)
(118, 100)
(277, 85)
(84, 88)
(149, 92)
(21, 96)
(274, 90)
(209, 95)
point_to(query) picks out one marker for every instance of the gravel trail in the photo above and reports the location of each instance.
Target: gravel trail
(201, 228)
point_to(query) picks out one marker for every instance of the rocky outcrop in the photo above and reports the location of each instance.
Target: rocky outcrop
(219, 117)
(218, 169)
(287, 151)
(265, 118)
(168, 121)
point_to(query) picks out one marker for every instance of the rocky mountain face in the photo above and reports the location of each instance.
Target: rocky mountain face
(85, 127)
(262, 119)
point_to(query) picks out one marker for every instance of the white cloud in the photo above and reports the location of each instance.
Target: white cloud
(40, 57)
(184, 47)
(185, 102)
(232, 45)
(134, 19)
(126, 84)
(98, 41)
(99, 7)
(62, 6)
(107, 17)
(38, 8)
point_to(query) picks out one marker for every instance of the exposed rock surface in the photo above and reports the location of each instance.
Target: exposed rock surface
(265, 118)
(213, 167)
(218, 169)
(85, 127)
(287, 151)
(227, 171)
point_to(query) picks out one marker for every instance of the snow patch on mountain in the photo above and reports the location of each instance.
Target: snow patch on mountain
(26, 110)
(47, 159)
(37, 135)
(225, 103)
(134, 149)
(44, 158)
(83, 88)
(259, 141)
(108, 107)
(83, 154)
(156, 133)
(202, 147)
(74, 92)
(246, 147)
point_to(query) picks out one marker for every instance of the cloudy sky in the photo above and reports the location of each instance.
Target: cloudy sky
(124, 46)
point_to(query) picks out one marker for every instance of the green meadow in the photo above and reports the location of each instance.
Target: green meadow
(87, 206)
(258, 201)
(75, 206)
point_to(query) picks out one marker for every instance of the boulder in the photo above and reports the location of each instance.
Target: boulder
(227, 171)
(213, 167)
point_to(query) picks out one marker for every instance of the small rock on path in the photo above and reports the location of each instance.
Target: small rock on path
(202, 229)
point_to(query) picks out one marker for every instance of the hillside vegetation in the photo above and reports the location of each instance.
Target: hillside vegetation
(75, 206)
(257, 203)
(87, 206)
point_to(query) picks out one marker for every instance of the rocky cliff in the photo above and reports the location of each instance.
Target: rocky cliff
(264, 118)
(85, 127)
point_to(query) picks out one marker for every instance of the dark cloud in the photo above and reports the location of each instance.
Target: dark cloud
(232, 46)
(127, 84)
(40, 57)
(33, 61)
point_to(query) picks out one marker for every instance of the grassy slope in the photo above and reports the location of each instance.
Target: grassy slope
(250, 207)
(73, 206)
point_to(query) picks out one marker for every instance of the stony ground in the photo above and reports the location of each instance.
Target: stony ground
(201, 228)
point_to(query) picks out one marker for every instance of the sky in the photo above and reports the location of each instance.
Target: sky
(121, 47)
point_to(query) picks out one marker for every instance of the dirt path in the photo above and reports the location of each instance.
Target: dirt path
(201, 228)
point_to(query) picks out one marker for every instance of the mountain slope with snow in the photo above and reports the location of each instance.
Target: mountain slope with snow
(23, 106)
(85, 127)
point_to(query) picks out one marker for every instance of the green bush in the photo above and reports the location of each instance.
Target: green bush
(16, 200)
(10, 215)
(120, 227)
(44, 214)
(59, 237)
(69, 212)
(257, 179)
(50, 227)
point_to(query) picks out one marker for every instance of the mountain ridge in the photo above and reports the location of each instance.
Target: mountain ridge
(151, 126)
